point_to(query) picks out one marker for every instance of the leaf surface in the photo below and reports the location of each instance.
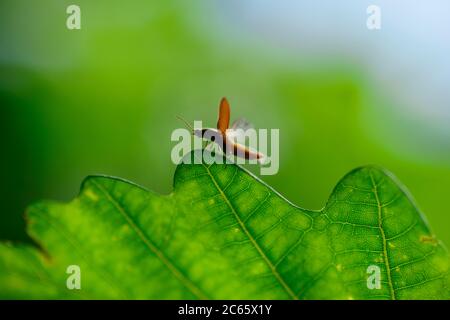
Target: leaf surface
(223, 234)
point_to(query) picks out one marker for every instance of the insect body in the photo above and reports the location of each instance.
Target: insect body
(226, 137)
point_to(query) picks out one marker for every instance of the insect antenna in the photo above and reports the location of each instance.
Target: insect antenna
(185, 122)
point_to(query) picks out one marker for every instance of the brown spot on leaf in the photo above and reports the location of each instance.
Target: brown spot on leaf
(429, 239)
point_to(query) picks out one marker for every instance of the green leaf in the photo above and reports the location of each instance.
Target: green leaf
(223, 234)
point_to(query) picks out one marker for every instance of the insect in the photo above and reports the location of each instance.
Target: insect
(225, 137)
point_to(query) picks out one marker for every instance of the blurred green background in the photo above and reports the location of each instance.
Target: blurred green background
(103, 99)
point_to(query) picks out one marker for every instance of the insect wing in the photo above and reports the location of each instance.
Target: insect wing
(242, 123)
(224, 116)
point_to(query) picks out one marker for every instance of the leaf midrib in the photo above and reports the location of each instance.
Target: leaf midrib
(271, 266)
(148, 243)
(383, 236)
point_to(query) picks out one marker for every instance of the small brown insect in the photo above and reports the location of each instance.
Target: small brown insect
(225, 136)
